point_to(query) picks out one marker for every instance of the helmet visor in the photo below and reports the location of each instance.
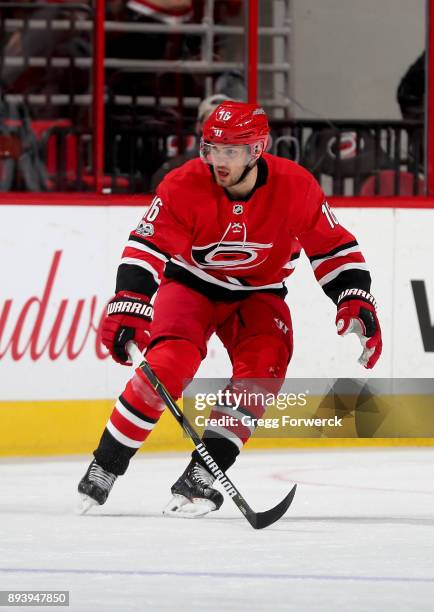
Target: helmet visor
(216, 154)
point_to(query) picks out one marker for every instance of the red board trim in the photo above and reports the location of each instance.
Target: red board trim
(94, 199)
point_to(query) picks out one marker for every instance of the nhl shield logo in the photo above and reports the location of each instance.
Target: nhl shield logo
(238, 209)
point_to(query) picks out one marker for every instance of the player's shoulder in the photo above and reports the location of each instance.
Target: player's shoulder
(290, 178)
(193, 173)
(287, 169)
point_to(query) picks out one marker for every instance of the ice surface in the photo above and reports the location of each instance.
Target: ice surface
(359, 535)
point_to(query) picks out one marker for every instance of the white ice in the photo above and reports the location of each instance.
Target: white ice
(359, 535)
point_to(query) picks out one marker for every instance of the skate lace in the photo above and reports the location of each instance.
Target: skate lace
(100, 477)
(202, 476)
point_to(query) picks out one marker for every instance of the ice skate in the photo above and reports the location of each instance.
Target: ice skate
(94, 487)
(193, 494)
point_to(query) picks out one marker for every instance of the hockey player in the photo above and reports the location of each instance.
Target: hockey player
(216, 246)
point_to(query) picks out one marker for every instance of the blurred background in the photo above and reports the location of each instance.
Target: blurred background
(102, 96)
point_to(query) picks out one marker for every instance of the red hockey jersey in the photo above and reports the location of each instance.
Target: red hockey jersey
(225, 248)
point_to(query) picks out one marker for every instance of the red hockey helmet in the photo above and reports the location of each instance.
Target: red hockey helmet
(236, 123)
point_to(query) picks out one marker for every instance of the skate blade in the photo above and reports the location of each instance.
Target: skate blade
(85, 503)
(181, 507)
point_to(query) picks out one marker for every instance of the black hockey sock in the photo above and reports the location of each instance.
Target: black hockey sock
(223, 451)
(113, 456)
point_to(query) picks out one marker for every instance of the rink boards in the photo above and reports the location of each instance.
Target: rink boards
(59, 264)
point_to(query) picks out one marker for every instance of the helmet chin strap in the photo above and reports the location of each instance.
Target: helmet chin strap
(245, 172)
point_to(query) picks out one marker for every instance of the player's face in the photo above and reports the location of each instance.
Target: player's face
(229, 162)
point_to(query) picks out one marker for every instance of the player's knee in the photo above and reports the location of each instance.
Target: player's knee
(261, 357)
(175, 362)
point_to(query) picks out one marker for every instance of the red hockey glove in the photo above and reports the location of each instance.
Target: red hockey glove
(128, 317)
(357, 314)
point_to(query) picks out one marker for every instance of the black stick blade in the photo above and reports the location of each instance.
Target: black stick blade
(259, 520)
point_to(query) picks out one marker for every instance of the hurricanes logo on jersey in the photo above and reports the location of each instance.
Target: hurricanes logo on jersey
(235, 255)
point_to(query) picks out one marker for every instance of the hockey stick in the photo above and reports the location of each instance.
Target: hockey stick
(258, 520)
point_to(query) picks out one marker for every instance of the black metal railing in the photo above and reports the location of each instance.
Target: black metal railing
(364, 157)
(348, 158)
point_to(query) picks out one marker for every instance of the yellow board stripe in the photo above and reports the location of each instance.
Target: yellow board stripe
(75, 426)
